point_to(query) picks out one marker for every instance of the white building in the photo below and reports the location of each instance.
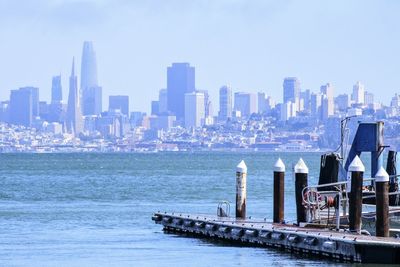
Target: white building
(194, 109)
(288, 110)
(246, 103)
(358, 95)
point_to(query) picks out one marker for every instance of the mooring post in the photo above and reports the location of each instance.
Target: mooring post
(382, 203)
(241, 174)
(279, 191)
(356, 170)
(301, 182)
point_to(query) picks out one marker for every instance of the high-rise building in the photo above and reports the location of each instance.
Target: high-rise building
(291, 90)
(91, 91)
(315, 104)
(262, 103)
(246, 103)
(288, 110)
(163, 101)
(35, 99)
(74, 120)
(56, 105)
(180, 80)
(194, 109)
(368, 98)
(56, 90)
(93, 100)
(120, 102)
(328, 101)
(358, 93)
(155, 107)
(343, 102)
(306, 98)
(225, 103)
(21, 108)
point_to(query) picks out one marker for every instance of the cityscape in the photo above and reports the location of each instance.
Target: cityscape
(184, 118)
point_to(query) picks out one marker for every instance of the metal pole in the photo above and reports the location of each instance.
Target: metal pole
(301, 181)
(241, 174)
(382, 203)
(357, 170)
(279, 191)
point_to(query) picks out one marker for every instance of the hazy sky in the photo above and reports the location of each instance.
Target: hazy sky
(251, 45)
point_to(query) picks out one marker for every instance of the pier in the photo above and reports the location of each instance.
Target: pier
(338, 245)
(341, 238)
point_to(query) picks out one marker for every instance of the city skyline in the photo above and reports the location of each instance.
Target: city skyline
(350, 42)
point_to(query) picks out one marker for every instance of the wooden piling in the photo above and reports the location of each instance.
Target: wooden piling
(279, 191)
(382, 203)
(241, 176)
(301, 181)
(356, 170)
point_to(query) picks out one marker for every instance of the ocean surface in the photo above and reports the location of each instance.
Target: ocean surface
(95, 209)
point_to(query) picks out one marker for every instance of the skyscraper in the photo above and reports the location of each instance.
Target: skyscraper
(21, 107)
(291, 90)
(194, 109)
(35, 99)
(163, 101)
(358, 93)
(91, 91)
(225, 103)
(328, 101)
(56, 109)
(246, 103)
(180, 80)
(120, 102)
(56, 90)
(74, 121)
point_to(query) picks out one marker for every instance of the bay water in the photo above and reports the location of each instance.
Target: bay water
(95, 209)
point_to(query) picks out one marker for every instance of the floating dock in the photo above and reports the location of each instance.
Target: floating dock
(315, 232)
(338, 245)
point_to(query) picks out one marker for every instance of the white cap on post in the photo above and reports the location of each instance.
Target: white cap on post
(381, 175)
(279, 166)
(301, 167)
(356, 165)
(241, 167)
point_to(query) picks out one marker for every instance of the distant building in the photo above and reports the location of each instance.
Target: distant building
(358, 93)
(56, 108)
(163, 101)
(93, 100)
(4, 111)
(395, 102)
(306, 98)
(328, 101)
(291, 90)
(368, 98)
(246, 103)
(74, 120)
(21, 108)
(120, 102)
(343, 102)
(35, 99)
(91, 91)
(180, 80)
(56, 90)
(225, 103)
(155, 107)
(315, 104)
(288, 110)
(262, 103)
(194, 109)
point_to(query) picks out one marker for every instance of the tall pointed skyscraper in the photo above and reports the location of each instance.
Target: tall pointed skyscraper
(74, 121)
(91, 91)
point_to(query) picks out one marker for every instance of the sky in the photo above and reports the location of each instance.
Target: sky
(250, 45)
